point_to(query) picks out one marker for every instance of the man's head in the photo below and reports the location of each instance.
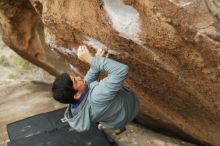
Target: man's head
(68, 89)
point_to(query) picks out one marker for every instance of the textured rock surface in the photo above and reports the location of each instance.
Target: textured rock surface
(36, 82)
(172, 48)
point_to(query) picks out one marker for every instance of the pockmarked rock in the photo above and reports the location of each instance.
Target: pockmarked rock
(172, 48)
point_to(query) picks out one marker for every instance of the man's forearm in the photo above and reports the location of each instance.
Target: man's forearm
(112, 67)
(109, 86)
(91, 76)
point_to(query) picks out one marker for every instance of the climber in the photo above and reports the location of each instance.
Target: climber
(106, 102)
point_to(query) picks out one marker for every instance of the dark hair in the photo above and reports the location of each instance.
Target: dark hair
(63, 90)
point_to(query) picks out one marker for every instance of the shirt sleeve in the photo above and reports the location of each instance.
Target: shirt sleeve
(91, 75)
(110, 85)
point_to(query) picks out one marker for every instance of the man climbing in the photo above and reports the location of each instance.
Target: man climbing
(106, 102)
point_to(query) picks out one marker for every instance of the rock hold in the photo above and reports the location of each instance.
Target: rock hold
(171, 47)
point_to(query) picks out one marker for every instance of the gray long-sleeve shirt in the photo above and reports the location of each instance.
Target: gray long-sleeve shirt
(108, 101)
(112, 104)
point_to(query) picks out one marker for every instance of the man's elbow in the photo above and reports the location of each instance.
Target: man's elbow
(125, 70)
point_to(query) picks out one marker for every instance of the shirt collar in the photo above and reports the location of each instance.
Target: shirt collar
(75, 105)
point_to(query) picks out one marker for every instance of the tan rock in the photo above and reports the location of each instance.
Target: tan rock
(172, 48)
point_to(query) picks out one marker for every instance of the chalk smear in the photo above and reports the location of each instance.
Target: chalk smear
(72, 52)
(25, 128)
(95, 44)
(124, 19)
(50, 40)
(181, 3)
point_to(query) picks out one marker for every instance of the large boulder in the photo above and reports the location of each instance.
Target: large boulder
(172, 48)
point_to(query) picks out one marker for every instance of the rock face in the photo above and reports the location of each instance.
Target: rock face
(172, 48)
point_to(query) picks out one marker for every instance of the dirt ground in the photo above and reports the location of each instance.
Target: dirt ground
(25, 91)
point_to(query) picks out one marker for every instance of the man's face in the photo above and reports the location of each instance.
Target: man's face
(78, 83)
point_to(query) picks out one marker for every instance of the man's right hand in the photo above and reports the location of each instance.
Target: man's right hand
(84, 54)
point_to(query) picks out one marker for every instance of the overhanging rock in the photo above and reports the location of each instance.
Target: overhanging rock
(172, 48)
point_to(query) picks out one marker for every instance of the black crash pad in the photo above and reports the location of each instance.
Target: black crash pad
(36, 125)
(48, 130)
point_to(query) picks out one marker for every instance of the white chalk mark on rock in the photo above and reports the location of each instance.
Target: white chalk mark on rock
(50, 40)
(98, 45)
(124, 19)
(181, 3)
(94, 43)
(204, 35)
